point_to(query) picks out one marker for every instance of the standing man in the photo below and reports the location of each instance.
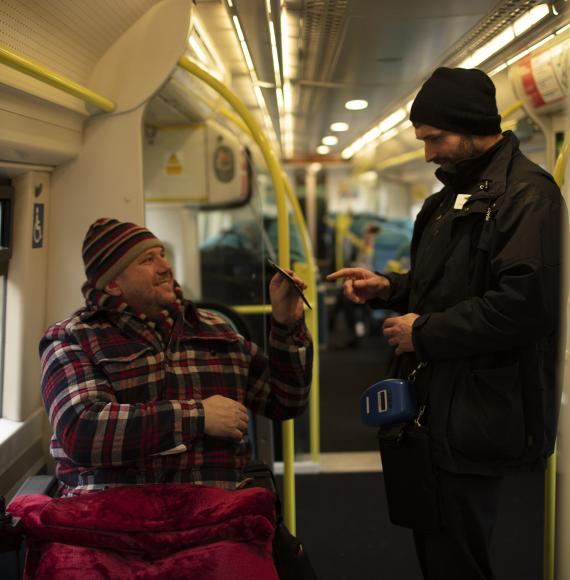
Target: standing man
(480, 306)
(140, 386)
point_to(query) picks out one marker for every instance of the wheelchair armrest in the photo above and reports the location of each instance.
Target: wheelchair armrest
(45, 484)
(11, 527)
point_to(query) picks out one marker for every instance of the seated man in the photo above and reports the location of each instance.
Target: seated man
(140, 386)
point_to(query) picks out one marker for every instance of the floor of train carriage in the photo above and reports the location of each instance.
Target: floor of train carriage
(342, 513)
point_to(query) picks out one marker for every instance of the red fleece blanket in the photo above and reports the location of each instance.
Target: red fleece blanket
(150, 531)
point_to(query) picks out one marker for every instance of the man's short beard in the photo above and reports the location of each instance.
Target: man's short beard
(467, 149)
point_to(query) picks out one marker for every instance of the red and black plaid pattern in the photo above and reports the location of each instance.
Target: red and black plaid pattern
(110, 246)
(124, 395)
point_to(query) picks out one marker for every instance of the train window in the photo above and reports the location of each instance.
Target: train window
(6, 201)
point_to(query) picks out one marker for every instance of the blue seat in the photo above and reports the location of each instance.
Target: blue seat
(387, 245)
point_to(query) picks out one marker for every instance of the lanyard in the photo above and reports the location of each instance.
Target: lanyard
(412, 379)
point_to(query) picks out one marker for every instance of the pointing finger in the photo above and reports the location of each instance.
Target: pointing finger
(342, 273)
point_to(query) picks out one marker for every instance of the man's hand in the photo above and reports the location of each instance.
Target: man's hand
(398, 330)
(286, 304)
(224, 418)
(361, 285)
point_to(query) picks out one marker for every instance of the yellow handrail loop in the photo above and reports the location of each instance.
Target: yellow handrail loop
(50, 77)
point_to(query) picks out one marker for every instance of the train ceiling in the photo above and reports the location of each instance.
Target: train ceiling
(334, 51)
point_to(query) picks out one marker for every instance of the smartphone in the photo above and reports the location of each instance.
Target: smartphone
(290, 280)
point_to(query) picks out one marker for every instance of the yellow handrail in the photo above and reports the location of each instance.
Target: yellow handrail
(236, 119)
(50, 77)
(549, 517)
(341, 225)
(550, 476)
(251, 308)
(312, 320)
(400, 159)
(283, 259)
(309, 275)
(560, 165)
(311, 315)
(512, 109)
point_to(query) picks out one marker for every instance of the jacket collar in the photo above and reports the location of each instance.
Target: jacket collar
(489, 168)
(181, 318)
(99, 302)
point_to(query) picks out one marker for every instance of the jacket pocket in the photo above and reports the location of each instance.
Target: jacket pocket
(136, 374)
(486, 418)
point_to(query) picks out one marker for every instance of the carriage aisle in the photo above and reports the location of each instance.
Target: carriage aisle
(342, 512)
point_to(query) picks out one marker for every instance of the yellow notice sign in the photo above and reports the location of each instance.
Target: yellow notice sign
(173, 166)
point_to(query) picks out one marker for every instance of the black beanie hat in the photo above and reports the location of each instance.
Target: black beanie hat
(459, 100)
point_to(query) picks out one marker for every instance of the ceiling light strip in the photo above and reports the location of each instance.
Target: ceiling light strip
(287, 131)
(276, 70)
(253, 75)
(204, 51)
(520, 26)
(506, 36)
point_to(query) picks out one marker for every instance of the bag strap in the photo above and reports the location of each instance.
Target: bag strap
(412, 379)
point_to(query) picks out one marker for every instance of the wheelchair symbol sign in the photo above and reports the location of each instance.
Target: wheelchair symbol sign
(38, 226)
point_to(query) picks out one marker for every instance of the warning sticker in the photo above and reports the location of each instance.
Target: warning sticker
(544, 75)
(173, 165)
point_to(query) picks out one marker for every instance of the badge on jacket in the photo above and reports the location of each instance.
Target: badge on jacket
(460, 200)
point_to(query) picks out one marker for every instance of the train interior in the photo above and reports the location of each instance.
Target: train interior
(242, 130)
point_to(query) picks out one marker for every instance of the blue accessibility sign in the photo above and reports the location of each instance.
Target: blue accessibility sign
(38, 226)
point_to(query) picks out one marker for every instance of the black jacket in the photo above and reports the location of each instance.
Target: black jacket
(485, 279)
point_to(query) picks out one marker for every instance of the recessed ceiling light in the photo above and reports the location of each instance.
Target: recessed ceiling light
(322, 149)
(330, 140)
(339, 127)
(356, 105)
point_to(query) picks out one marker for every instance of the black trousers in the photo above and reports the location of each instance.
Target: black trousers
(460, 551)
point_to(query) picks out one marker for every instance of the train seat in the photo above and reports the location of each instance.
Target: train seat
(150, 531)
(387, 246)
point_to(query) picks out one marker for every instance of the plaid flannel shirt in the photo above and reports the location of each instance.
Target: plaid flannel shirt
(124, 394)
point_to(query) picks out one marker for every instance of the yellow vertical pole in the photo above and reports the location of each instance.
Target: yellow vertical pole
(549, 517)
(342, 224)
(284, 261)
(309, 274)
(550, 476)
(560, 165)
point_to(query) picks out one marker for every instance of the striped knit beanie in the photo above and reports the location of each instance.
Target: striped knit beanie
(110, 246)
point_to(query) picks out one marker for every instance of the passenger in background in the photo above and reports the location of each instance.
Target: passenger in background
(481, 306)
(357, 316)
(140, 386)
(365, 253)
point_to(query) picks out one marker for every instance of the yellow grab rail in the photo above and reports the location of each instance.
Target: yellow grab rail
(549, 517)
(342, 228)
(283, 258)
(512, 109)
(560, 165)
(308, 274)
(342, 232)
(252, 308)
(400, 159)
(550, 476)
(50, 77)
